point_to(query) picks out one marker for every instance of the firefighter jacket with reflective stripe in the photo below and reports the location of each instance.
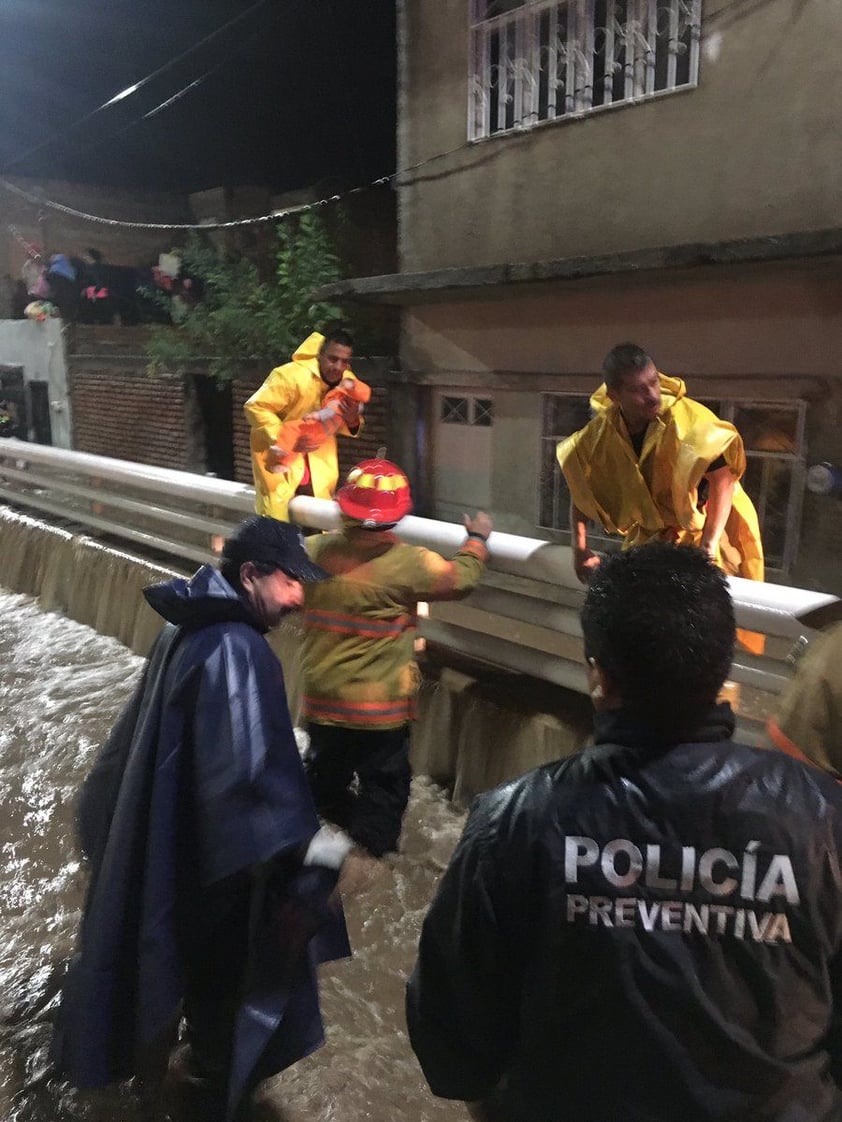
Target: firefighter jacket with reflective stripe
(808, 721)
(358, 656)
(288, 394)
(641, 933)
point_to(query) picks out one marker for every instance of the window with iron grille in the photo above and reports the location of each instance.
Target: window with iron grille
(543, 60)
(773, 436)
(467, 411)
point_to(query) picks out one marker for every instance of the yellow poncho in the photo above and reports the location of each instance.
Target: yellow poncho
(289, 393)
(657, 495)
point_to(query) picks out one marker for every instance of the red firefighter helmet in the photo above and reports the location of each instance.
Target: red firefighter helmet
(376, 493)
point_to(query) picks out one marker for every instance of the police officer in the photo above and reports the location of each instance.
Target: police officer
(651, 929)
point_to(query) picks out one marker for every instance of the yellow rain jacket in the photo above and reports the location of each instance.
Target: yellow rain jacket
(288, 394)
(656, 497)
(358, 655)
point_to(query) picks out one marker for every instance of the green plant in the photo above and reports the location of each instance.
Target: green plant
(241, 317)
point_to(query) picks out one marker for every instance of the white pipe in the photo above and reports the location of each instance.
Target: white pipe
(510, 553)
(770, 608)
(779, 609)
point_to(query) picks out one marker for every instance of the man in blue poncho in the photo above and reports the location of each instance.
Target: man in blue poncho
(212, 887)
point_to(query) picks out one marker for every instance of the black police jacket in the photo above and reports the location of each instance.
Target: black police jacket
(641, 933)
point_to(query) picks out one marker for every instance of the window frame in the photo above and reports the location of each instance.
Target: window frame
(538, 49)
(479, 410)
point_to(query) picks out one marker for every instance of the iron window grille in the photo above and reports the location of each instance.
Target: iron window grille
(542, 60)
(477, 411)
(773, 435)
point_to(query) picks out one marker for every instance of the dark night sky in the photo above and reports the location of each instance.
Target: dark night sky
(304, 90)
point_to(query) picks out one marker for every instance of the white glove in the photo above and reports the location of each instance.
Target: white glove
(329, 847)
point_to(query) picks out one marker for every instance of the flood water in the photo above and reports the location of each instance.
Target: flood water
(61, 686)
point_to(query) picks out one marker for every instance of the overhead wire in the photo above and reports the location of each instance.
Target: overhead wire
(273, 216)
(172, 100)
(134, 87)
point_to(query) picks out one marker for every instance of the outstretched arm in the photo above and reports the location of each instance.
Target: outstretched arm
(720, 496)
(585, 561)
(436, 578)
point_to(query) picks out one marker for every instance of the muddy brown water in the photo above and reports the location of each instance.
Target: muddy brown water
(61, 686)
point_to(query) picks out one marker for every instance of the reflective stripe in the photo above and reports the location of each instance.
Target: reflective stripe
(364, 712)
(373, 482)
(320, 620)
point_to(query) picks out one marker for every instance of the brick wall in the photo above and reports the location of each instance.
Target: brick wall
(119, 410)
(372, 437)
(241, 391)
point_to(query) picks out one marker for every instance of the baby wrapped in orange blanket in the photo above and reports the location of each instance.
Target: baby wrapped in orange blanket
(316, 427)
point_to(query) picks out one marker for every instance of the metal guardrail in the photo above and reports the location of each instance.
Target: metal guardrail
(176, 513)
(523, 617)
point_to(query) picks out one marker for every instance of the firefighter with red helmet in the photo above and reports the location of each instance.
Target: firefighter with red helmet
(358, 663)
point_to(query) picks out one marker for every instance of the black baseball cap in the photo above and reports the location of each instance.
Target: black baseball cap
(272, 542)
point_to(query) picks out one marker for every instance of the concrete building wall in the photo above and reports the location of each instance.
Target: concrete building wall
(39, 349)
(775, 318)
(752, 151)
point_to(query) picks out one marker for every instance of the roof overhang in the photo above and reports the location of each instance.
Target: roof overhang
(478, 281)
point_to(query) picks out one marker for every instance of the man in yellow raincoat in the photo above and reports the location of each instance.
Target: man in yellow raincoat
(655, 465)
(289, 393)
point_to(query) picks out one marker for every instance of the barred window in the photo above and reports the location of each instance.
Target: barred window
(542, 60)
(773, 435)
(467, 411)
(563, 414)
(454, 410)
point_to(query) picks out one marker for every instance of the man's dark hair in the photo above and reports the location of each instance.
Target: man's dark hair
(659, 621)
(625, 358)
(338, 335)
(230, 569)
